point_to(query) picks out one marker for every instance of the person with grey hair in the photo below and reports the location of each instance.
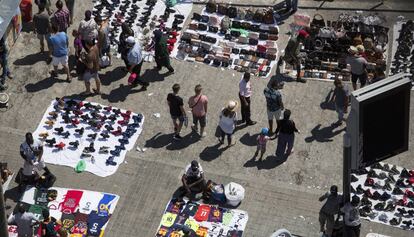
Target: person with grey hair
(329, 209)
(24, 221)
(352, 219)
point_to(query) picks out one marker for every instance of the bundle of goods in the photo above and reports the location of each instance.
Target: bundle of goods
(187, 218)
(88, 136)
(143, 17)
(231, 37)
(403, 60)
(326, 48)
(68, 212)
(387, 194)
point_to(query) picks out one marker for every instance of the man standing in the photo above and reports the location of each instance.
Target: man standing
(135, 61)
(341, 98)
(193, 177)
(59, 43)
(177, 111)
(41, 23)
(352, 219)
(70, 4)
(358, 66)
(88, 29)
(198, 105)
(162, 58)
(24, 221)
(292, 53)
(4, 64)
(46, 4)
(274, 104)
(91, 61)
(103, 37)
(245, 91)
(329, 210)
(61, 18)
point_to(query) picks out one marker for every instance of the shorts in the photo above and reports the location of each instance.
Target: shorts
(180, 118)
(362, 78)
(275, 114)
(202, 120)
(43, 37)
(88, 75)
(60, 60)
(261, 147)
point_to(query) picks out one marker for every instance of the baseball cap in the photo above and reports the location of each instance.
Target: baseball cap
(130, 40)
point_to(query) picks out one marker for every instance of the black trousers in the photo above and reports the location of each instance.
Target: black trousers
(137, 70)
(164, 62)
(245, 109)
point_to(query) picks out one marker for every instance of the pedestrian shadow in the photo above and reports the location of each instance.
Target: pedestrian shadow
(249, 140)
(112, 76)
(327, 103)
(159, 140)
(153, 75)
(185, 142)
(323, 134)
(31, 59)
(43, 84)
(80, 96)
(268, 163)
(121, 93)
(211, 153)
(13, 194)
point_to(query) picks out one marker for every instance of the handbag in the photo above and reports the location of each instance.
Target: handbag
(104, 61)
(214, 21)
(258, 16)
(235, 33)
(273, 37)
(255, 27)
(253, 35)
(243, 40)
(196, 16)
(268, 17)
(263, 36)
(225, 23)
(245, 25)
(205, 18)
(213, 29)
(339, 33)
(232, 12)
(236, 24)
(253, 41)
(193, 26)
(202, 27)
(241, 13)
(222, 9)
(211, 6)
(273, 30)
(318, 21)
(249, 14)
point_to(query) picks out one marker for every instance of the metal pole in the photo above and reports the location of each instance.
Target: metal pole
(320, 6)
(3, 221)
(346, 181)
(376, 6)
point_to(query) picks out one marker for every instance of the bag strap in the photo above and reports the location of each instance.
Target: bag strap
(199, 98)
(317, 14)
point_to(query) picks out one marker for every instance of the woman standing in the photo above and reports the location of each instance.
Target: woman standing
(227, 123)
(286, 135)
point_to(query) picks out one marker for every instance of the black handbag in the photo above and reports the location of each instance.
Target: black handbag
(232, 12)
(213, 29)
(205, 18)
(236, 24)
(202, 27)
(228, 36)
(255, 27)
(196, 16)
(318, 21)
(263, 36)
(235, 33)
(211, 6)
(235, 50)
(253, 41)
(222, 9)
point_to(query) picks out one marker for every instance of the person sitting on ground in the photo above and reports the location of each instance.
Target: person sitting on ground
(329, 210)
(24, 221)
(193, 178)
(31, 150)
(4, 172)
(292, 53)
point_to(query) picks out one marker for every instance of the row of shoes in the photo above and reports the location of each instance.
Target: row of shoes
(404, 56)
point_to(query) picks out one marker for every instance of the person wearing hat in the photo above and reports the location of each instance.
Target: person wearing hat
(329, 210)
(193, 178)
(134, 60)
(103, 37)
(23, 220)
(358, 66)
(274, 104)
(291, 55)
(177, 112)
(352, 219)
(341, 98)
(361, 51)
(261, 142)
(245, 92)
(88, 29)
(227, 122)
(286, 135)
(162, 57)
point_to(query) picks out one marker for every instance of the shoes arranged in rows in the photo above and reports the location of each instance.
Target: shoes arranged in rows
(403, 60)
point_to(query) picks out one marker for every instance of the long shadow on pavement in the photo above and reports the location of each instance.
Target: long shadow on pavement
(160, 140)
(268, 163)
(249, 140)
(121, 93)
(327, 104)
(323, 134)
(111, 76)
(211, 153)
(43, 84)
(31, 59)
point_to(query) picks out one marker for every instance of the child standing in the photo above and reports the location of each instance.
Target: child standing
(77, 43)
(261, 142)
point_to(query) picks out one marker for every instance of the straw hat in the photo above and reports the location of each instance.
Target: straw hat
(353, 50)
(360, 48)
(232, 105)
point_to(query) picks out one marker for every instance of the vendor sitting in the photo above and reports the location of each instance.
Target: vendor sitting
(193, 178)
(4, 172)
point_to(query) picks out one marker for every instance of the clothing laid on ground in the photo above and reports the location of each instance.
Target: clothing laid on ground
(41, 23)
(23, 222)
(197, 105)
(358, 64)
(273, 99)
(193, 174)
(228, 124)
(59, 42)
(175, 103)
(341, 96)
(95, 223)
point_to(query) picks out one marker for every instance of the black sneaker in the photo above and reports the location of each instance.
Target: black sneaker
(384, 197)
(353, 178)
(365, 201)
(359, 189)
(177, 137)
(405, 174)
(391, 178)
(397, 191)
(407, 223)
(394, 170)
(372, 174)
(394, 221)
(377, 166)
(376, 195)
(386, 167)
(387, 186)
(400, 183)
(402, 211)
(379, 206)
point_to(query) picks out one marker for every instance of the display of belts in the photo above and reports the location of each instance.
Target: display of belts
(325, 51)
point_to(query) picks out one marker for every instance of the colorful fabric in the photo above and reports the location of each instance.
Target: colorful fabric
(216, 215)
(190, 209)
(95, 223)
(41, 197)
(71, 201)
(192, 224)
(162, 231)
(105, 204)
(168, 219)
(235, 233)
(37, 211)
(202, 213)
(175, 206)
(202, 231)
(227, 217)
(68, 221)
(81, 224)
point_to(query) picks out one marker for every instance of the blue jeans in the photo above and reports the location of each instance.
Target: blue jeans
(4, 65)
(285, 144)
(340, 111)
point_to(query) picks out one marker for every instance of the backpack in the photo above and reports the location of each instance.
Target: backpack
(211, 6)
(225, 23)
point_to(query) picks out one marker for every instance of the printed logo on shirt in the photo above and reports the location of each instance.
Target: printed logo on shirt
(168, 219)
(162, 232)
(192, 224)
(202, 231)
(202, 213)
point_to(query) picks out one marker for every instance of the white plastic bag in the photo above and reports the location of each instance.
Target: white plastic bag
(234, 193)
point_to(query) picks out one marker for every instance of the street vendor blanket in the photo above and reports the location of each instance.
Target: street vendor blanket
(201, 220)
(94, 119)
(79, 212)
(387, 194)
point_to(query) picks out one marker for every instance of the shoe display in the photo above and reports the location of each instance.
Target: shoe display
(115, 152)
(50, 142)
(376, 195)
(110, 161)
(74, 144)
(60, 145)
(353, 178)
(394, 170)
(360, 190)
(379, 206)
(65, 134)
(405, 173)
(372, 174)
(86, 155)
(92, 136)
(43, 135)
(117, 132)
(369, 182)
(104, 135)
(59, 130)
(394, 221)
(384, 197)
(54, 115)
(377, 166)
(80, 131)
(50, 123)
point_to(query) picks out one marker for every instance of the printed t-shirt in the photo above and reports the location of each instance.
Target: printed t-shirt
(89, 202)
(37, 211)
(202, 213)
(175, 103)
(168, 219)
(190, 209)
(227, 217)
(96, 223)
(216, 215)
(41, 197)
(192, 224)
(105, 204)
(235, 233)
(68, 221)
(59, 41)
(193, 174)
(71, 201)
(163, 231)
(202, 231)
(174, 206)
(81, 224)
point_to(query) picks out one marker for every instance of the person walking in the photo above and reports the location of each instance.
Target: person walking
(24, 221)
(227, 123)
(198, 105)
(341, 98)
(329, 210)
(358, 66)
(135, 61)
(274, 104)
(61, 18)
(41, 23)
(177, 112)
(261, 143)
(44, 3)
(286, 135)
(59, 43)
(122, 46)
(162, 58)
(91, 61)
(245, 92)
(352, 219)
(291, 55)
(70, 4)
(103, 38)
(88, 29)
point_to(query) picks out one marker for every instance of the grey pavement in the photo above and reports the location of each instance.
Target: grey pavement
(278, 194)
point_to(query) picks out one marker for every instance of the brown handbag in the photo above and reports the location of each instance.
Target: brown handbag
(222, 9)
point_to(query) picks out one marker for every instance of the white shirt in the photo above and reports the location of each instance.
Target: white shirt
(28, 150)
(88, 29)
(190, 173)
(31, 165)
(135, 55)
(23, 223)
(245, 88)
(351, 215)
(227, 124)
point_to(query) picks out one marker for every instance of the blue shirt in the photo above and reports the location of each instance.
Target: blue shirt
(59, 41)
(135, 55)
(273, 99)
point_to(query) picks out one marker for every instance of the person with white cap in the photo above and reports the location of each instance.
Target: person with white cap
(135, 60)
(227, 122)
(358, 66)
